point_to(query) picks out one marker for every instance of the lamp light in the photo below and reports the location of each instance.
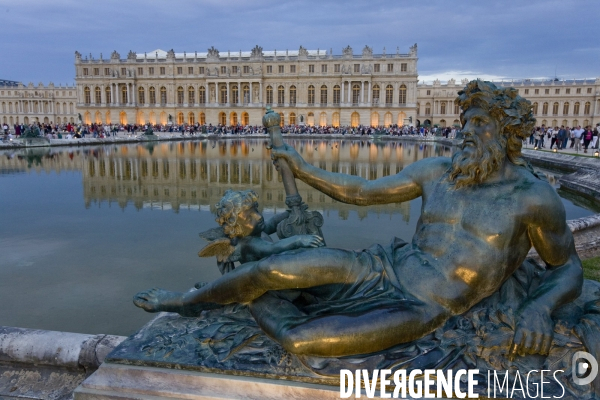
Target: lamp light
(597, 154)
(554, 150)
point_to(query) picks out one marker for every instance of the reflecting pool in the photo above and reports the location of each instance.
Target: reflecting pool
(83, 229)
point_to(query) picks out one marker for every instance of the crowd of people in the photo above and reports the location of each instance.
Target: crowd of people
(562, 137)
(68, 130)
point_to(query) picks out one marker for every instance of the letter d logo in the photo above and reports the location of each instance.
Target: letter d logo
(584, 368)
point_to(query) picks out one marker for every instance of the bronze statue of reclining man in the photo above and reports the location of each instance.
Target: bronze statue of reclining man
(482, 211)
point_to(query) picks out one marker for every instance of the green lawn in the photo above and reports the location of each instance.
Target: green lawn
(591, 268)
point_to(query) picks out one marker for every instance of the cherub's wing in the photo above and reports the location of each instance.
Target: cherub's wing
(221, 248)
(213, 234)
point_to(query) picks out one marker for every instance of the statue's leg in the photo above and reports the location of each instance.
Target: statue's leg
(344, 335)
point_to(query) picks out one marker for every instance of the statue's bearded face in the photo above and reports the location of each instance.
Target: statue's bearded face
(482, 151)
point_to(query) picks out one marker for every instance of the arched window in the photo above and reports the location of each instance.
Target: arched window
(245, 118)
(402, 94)
(311, 95)
(323, 119)
(87, 118)
(310, 121)
(281, 120)
(141, 96)
(223, 94)
(375, 94)
(545, 108)
(335, 119)
(443, 123)
(202, 118)
(387, 119)
(355, 94)
(163, 118)
(323, 96)
(575, 123)
(280, 96)
(336, 94)
(401, 118)
(152, 94)
(566, 109)
(141, 118)
(427, 108)
(57, 107)
(245, 95)
(233, 118)
(98, 95)
(107, 117)
(163, 95)
(87, 95)
(443, 107)
(586, 108)
(535, 108)
(152, 118)
(98, 117)
(191, 118)
(191, 96)
(107, 96)
(180, 118)
(123, 94)
(554, 122)
(202, 95)
(576, 110)
(292, 119)
(123, 118)
(355, 119)
(555, 108)
(389, 95)
(269, 95)
(456, 109)
(375, 119)
(292, 95)
(180, 98)
(222, 118)
(235, 94)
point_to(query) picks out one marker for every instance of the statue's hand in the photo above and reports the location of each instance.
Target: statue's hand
(533, 333)
(288, 154)
(310, 241)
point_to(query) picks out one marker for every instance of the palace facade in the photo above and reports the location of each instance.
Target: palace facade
(312, 87)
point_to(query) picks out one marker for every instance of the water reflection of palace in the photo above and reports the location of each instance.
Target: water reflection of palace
(196, 174)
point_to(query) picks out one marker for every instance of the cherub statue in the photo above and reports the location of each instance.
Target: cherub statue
(238, 238)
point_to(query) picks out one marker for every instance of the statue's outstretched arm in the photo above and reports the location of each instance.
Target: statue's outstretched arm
(403, 186)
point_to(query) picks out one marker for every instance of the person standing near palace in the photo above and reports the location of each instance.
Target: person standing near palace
(587, 138)
(577, 134)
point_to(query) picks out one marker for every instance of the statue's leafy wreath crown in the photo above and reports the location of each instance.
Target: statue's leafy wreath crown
(512, 111)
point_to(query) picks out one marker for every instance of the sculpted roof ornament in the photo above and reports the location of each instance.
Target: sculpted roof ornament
(302, 53)
(367, 52)
(213, 54)
(347, 51)
(413, 50)
(131, 55)
(115, 55)
(257, 53)
(77, 55)
(171, 54)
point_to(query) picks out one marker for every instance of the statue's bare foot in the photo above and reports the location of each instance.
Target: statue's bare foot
(156, 299)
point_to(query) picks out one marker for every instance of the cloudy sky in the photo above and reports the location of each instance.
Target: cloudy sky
(486, 39)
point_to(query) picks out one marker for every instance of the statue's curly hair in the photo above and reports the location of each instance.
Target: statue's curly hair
(513, 112)
(230, 206)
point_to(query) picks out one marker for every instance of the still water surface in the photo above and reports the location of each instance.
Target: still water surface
(84, 229)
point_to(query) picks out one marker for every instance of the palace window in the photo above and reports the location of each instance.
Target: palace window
(191, 95)
(280, 69)
(402, 94)
(162, 71)
(246, 94)
(269, 95)
(311, 68)
(586, 108)
(163, 95)
(106, 71)
(403, 67)
(390, 68)
(323, 68)
(336, 67)
(223, 99)
(190, 70)
(201, 70)
(152, 92)
(292, 69)
(269, 69)
(323, 95)
(98, 95)
(202, 95)
(311, 95)
(140, 71)
(87, 95)
(456, 109)
(377, 68)
(141, 96)
(546, 91)
(356, 68)
(556, 91)
(234, 69)
(180, 95)
(280, 95)
(537, 91)
(223, 69)
(443, 107)
(427, 109)
(246, 69)
(526, 91)
(293, 95)
(85, 72)
(123, 94)
(555, 109)
(576, 109)
(235, 94)
(545, 108)
(578, 91)
(428, 92)
(96, 71)
(355, 94)
(124, 71)
(389, 95)
(589, 90)
(376, 94)
(535, 108)
(107, 95)
(151, 71)
(336, 94)
(292, 119)
(566, 108)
